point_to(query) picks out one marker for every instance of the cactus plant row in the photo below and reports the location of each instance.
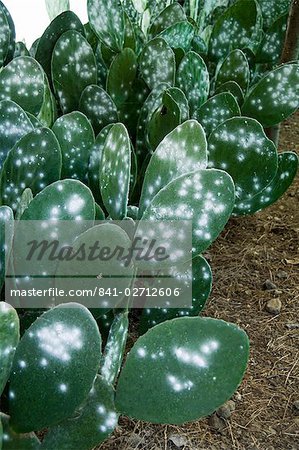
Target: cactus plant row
(152, 111)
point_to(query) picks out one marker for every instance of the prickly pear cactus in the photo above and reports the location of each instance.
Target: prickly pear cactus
(75, 136)
(183, 150)
(232, 88)
(54, 363)
(115, 171)
(240, 147)
(4, 36)
(115, 348)
(151, 111)
(92, 423)
(171, 15)
(73, 52)
(286, 172)
(108, 22)
(205, 196)
(193, 79)
(23, 81)
(34, 162)
(275, 97)
(157, 63)
(9, 333)
(25, 200)
(234, 68)
(271, 47)
(166, 117)
(239, 27)
(15, 441)
(63, 200)
(198, 278)
(183, 369)
(217, 110)
(45, 46)
(99, 107)
(95, 161)
(14, 123)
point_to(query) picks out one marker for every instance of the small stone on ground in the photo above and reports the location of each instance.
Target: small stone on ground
(274, 306)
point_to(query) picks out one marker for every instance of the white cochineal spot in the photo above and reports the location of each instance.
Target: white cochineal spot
(179, 385)
(59, 341)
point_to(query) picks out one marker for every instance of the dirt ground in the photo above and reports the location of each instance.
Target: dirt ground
(250, 251)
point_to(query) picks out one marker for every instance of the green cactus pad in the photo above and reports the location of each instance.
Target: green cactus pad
(14, 124)
(98, 106)
(240, 147)
(130, 38)
(193, 79)
(95, 160)
(45, 46)
(271, 47)
(21, 50)
(115, 171)
(287, 169)
(48, 112)
(179, 35)
(35, 122)
(115, 348)
(75, 136)
(232, 88)
(107, 19)
(63, 200)
(240, 26)
(275, 97)
(206, 197)
(165, 119)
(23, 81)
(10, 49)
(100, 215)
(217, 110)
(130, 110)
(93, 422)
(54, 364)
(14, 441)
(56, 7)
(183, 150)
(73, 69)
(121, 76)
(182, 369)
(171, 15)
(34, 162)
(150, 105)
(199, 278)
(4, 36)
(273, 9)
(235, 67)
(9, 338)
(157, 63)
(26, 199)
(6, 237)
(180, 98)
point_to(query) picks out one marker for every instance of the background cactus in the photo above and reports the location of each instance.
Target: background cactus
(150, 111)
